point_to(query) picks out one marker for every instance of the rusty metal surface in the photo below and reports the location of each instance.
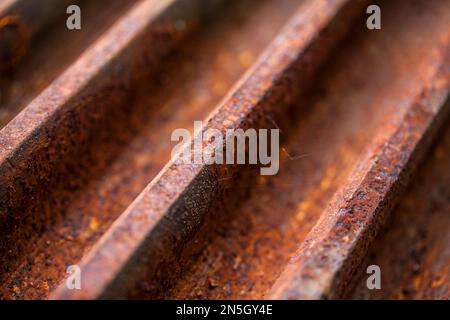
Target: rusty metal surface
(419, 264)
(86, 176)
(326, 261)
(20, 22)
(174, 205)
(43, 58)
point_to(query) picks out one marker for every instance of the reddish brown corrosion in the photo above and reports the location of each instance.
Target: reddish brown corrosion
(248, 251)
(13, 41)
(182, 195)
(329, 256)
(28, 74)
(21, 20)
(65, 124)
(419, 265)
(86, 176)
(149, 151)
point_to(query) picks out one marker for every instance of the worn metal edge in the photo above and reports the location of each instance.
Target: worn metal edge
(104, 75)
(325, 262)
(21, 132)
(160, 216)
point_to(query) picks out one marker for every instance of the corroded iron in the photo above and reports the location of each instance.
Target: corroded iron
(86, 175)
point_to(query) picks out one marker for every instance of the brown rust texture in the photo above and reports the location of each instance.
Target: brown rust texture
(155, 248)
(412, 250)
(21, 21)
(247, 253)
(216, 272)
(137, 146)
(49, 151)
(37, 15)
(86, 176)
(328, 259)
(46, 58)
(14, 38)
